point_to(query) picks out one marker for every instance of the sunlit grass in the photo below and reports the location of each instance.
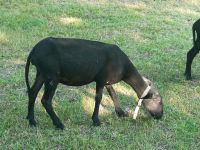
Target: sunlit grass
(70, 20)
(93, 2)
(186, 11)
(16, 62)
(3, 38)
(119, 88)
(137, 5)
(88, 104)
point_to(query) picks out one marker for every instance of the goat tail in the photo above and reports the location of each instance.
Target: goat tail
(193, 32)
(27, 73)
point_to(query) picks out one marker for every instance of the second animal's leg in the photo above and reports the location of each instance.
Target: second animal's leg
(115, 100)
(190, 56)
(50, 88)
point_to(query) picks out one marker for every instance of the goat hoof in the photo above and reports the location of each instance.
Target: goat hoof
(96, 122)
(60, 126)
(121, 113)
(32, 123)
(188, 77)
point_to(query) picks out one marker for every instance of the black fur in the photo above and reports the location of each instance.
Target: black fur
(194, 50)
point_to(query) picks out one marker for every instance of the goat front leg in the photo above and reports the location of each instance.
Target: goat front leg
(115, 100)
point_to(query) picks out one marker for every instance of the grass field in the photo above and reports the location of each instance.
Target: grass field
(156, 36)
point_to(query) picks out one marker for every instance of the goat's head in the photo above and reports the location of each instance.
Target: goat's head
(153, 101)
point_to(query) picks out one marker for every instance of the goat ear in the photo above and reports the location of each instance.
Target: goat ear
(147, 81)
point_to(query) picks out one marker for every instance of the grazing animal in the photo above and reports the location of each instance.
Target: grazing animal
(194, 50)
(77, 62)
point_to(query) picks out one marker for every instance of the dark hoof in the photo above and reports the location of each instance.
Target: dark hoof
(96, 122)
(32, 123)
(121, 113)
(59, 126)
(187, 76)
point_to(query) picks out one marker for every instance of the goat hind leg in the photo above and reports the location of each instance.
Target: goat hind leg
(50, 88)
(32, 94)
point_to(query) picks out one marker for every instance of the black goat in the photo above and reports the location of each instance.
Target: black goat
(194, 50)
(77, 62)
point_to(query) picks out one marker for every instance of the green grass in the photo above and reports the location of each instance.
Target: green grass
(156, 36)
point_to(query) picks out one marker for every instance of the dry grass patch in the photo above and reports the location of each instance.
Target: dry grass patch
(70, 20)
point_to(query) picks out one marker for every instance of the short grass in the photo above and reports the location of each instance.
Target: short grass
(156, 36)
